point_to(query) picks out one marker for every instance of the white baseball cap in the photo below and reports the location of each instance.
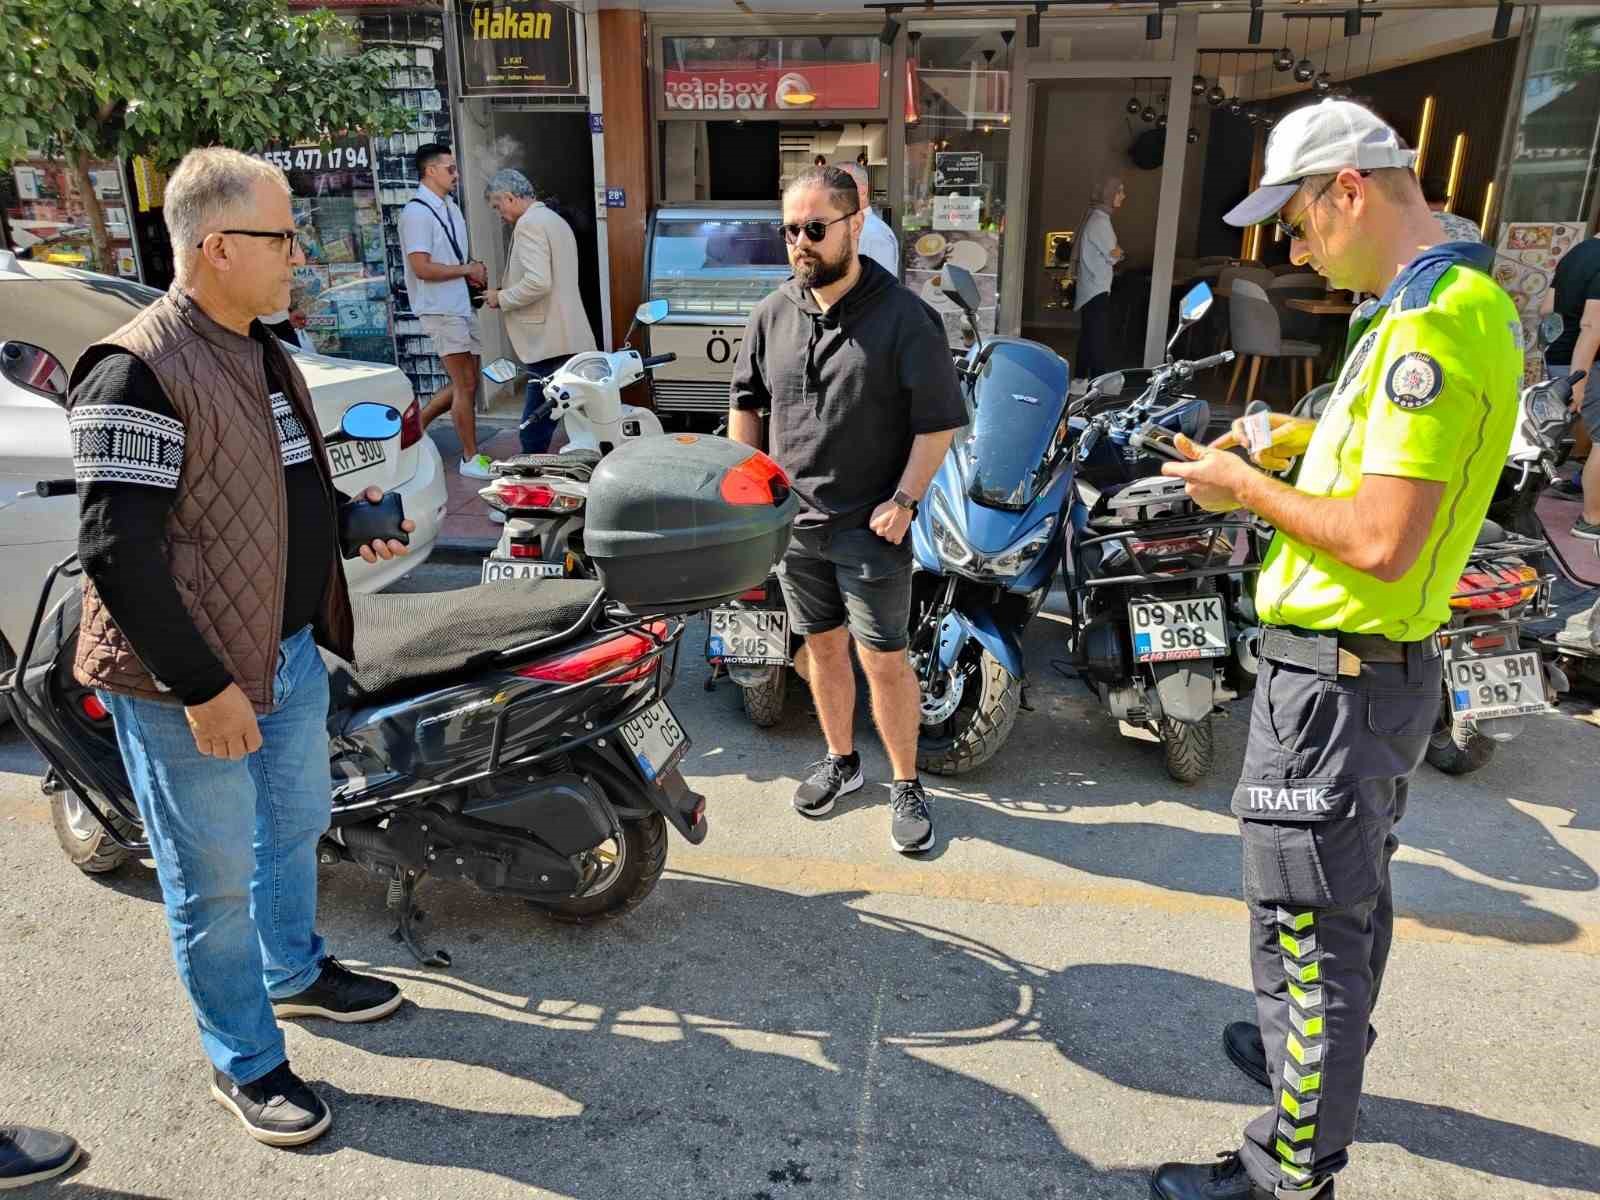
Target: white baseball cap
(1319, 139)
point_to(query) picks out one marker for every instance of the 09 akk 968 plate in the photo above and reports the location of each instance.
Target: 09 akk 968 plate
(1173, 630)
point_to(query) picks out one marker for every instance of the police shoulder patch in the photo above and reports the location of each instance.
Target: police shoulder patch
(1414, 379)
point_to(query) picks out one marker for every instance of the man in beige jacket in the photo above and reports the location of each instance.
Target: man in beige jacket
(540, 302)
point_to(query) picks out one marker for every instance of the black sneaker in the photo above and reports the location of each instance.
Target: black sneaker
(829, 779)
(277, 1110)
(341, 995)
(1566, 489)
(29, 1155)
(1589, 531)
(911, 826)
(1225, 1180)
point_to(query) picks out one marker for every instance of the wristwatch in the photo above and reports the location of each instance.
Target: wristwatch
(907, 501)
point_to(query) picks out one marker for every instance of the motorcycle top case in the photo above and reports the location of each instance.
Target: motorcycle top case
(683, 522)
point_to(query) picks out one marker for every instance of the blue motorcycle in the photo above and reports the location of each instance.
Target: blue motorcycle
(987, 542)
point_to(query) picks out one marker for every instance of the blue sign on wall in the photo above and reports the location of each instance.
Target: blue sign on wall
(597, 123)
(616, 198)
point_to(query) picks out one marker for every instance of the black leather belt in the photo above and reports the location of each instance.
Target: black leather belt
(1330, 654)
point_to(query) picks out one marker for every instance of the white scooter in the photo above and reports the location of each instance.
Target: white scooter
(542, 496)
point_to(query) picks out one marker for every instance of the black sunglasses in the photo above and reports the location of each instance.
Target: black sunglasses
(1294, 231)
(815, 231)
(286, 236)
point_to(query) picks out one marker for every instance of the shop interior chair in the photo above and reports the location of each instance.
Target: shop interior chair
(1305, 285)
(1257, 333)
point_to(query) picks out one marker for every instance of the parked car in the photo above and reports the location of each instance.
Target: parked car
(48, 316)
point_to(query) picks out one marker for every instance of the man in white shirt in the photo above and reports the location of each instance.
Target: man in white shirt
(1096, 254)
(433, 234)
(877, 240)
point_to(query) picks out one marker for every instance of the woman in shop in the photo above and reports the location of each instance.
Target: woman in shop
(1096, 254)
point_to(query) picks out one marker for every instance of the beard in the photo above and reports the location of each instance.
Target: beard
(811, 270)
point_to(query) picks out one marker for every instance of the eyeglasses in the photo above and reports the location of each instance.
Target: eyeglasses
(1294, 230)
(288, 237)
(815, 231)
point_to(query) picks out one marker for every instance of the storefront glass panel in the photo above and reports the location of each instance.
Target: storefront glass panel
(1554, 164)
(49, 222)
(958, 146)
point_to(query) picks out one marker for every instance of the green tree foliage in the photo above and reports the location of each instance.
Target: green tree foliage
(106, 78)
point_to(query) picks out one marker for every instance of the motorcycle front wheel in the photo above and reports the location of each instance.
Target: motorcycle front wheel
(982, 721)
(83, 839)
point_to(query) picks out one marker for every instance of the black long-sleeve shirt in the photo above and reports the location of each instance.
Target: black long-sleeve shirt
(127, 449)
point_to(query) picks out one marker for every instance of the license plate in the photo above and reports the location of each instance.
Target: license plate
(348, 457)
(496, 569)
(656, 740)
(1504, 685)
(748, 636)
(1171, 630)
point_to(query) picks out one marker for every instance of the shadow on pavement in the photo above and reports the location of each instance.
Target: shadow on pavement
(816, 1040)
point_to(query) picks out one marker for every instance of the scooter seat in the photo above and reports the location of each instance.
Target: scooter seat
(578, 464)
(1490, 534)
(412, 641)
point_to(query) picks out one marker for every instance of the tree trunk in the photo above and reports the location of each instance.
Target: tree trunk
(98, 233)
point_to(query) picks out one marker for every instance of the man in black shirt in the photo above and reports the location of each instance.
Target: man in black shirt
(1575, 294)
(220, 711)
(857, 375)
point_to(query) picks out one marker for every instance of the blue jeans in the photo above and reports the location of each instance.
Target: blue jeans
(235, 847)
(535, 438)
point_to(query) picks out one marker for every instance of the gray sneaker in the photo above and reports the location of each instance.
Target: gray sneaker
(1589, 531)
(911, 825)
(29, 1155)
(829, 779)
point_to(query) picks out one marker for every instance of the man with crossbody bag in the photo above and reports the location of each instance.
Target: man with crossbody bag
(445, 287)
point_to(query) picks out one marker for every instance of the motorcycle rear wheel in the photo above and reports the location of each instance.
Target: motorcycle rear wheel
(633, 868)
(1190, 749)
(763, 703)
(84, 841)
(977, 730)
(1459, 749)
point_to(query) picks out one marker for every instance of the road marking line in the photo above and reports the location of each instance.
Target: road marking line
(812, 876)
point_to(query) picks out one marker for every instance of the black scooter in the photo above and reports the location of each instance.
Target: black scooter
(515, 736)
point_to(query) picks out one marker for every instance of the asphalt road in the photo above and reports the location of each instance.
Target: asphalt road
(1032, 1011)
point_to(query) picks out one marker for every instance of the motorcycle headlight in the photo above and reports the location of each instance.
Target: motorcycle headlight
(1015, 558)
(594, 370)
(952, 548)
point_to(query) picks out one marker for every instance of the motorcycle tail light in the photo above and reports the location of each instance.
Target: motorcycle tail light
(527, 548)
(756, 594)
(604, 656)
(757, 480)
(1488, 641)
(1496, 586)
(91, 707)
(507, 496)
(411, 425)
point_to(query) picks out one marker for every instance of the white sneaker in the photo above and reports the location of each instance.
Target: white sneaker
(477, 467)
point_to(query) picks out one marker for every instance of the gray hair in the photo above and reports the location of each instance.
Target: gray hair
(857, 172)
(840, 186)
(510, 181)
(207, 186)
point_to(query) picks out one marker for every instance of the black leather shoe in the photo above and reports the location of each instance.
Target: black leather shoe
(1241, 1041)
(341, 995)
(29, 1155)
(1223, 1180)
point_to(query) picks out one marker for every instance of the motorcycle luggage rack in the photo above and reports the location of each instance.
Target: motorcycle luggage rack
(1212, 528)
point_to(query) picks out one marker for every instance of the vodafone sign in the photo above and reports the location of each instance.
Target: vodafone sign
(716, 89)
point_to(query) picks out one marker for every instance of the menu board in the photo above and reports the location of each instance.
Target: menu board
(1524, 263)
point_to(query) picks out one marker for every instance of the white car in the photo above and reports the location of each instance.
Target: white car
(62, 311)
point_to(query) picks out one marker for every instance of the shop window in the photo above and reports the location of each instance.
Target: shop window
(727, 77)
(49, 222)
(1554, 163)
(958, 147)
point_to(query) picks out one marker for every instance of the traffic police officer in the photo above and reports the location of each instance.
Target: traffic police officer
(1392, 490)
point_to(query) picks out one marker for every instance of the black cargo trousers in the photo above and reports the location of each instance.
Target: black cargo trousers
(1324, 783)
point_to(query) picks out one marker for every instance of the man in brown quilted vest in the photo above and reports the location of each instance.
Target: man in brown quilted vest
(211, 556)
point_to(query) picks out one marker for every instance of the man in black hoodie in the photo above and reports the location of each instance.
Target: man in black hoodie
(857, 375)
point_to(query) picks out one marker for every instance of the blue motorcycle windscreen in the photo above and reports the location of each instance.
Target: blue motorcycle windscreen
(1021, 396)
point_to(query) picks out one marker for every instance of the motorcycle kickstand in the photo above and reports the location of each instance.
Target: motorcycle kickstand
(403, 897)
(717, 672)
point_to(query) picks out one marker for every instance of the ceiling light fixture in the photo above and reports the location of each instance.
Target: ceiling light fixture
(1257, 17)
(1030, 29)
(891, 27)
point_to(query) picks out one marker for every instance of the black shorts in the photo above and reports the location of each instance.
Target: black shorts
(833, 577)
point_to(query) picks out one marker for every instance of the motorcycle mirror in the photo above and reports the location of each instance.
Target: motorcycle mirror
(652, 311)
(370, 422)
(35, 368)
(1195, 304)
(961, 289)
(1108, 385)
(1310, 405)
(1551, 329)
(501, 370)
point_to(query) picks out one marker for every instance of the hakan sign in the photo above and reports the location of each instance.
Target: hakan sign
(518, 47)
